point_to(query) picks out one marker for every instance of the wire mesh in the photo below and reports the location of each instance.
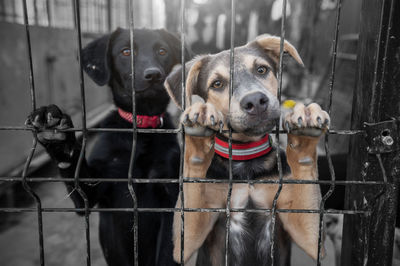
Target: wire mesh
(182, 179)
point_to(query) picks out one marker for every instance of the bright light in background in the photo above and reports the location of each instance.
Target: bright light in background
(200, 2)
(159, 19)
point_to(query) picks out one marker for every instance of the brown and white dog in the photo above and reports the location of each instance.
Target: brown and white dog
(254, 110)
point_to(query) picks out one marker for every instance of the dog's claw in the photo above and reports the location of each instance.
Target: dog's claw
(49, 117)
(186, 119)
(212, 120)
(36, 121)
(28, 122)
(287, 127)
(221, 126)
(195, 117)
(319, 122)
(299, 121)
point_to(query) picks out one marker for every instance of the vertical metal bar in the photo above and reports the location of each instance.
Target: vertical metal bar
(134, 137)
(14, 11)
(279, 162)
(48, 9)
(327, 152)
(29, 159)
(376, 99)
(74, 12)
(109, 15)
(84, 132)
(3, 15)
(231, 83)
(35, 9)
(182, 149)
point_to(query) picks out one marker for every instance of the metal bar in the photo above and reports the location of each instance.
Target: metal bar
(218, 210)
(231, 82)
(49, 14)
(171, 131)
(84, 132)
(278, 156)
(36, 15)
(14, 11)
(29, 159)
(376, 98)
(109, 15)
(182, 148)
(74, 12)
(327, 152)
(195, 180)
(134, 138)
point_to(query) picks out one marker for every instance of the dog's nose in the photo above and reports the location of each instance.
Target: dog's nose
(153, 74)
(255, 103)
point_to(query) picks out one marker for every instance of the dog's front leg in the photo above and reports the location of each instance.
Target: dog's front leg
(305, 126)
(199, 151)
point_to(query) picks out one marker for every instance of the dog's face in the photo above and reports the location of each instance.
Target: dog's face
(107, 60)
(254, 106)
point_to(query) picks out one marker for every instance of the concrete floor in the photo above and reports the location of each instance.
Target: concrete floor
(64, 236)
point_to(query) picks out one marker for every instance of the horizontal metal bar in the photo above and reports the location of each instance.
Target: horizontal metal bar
(220, 210)
(193, 180)
(166, 131)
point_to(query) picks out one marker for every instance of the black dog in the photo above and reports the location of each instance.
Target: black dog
(107, 61)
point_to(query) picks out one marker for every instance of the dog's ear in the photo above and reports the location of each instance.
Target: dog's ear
(174, 42)
(96, 59)
(173, 82)
(272, 44)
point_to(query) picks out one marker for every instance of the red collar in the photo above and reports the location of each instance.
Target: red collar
(243, 151)
(143, 121)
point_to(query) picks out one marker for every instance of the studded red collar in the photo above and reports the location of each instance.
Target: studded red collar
(143, 121)
(243, 151)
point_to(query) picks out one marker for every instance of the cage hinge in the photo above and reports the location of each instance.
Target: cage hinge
(382, 137)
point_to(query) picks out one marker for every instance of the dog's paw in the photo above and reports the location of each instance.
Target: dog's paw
(202, 119)
(47, 121)
(308, 120)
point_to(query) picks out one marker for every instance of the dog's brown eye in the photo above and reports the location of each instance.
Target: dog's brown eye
(162, 51)
(126, 52)
(261, 70)
(217, 84)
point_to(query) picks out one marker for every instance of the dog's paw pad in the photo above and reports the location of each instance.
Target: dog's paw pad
(47, 120)
(308, 120)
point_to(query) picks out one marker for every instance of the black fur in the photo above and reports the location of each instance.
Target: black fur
(157, 155)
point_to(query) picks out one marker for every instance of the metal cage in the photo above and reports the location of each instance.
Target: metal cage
(372, 181)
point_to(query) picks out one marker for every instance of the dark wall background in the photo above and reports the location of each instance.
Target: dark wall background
(56, 75)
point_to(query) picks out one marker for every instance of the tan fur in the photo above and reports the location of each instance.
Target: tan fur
(273, 45)
(302, 227)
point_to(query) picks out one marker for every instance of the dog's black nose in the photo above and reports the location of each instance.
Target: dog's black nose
(255, 103)
(153, 74)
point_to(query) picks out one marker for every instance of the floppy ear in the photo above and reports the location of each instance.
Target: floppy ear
(96, 59)
(174, 42)
(272, 45)
(173, 82)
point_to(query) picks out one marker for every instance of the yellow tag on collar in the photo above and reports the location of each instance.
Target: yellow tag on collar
(289, 104)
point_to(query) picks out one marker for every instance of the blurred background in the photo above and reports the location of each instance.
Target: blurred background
(310, 27)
